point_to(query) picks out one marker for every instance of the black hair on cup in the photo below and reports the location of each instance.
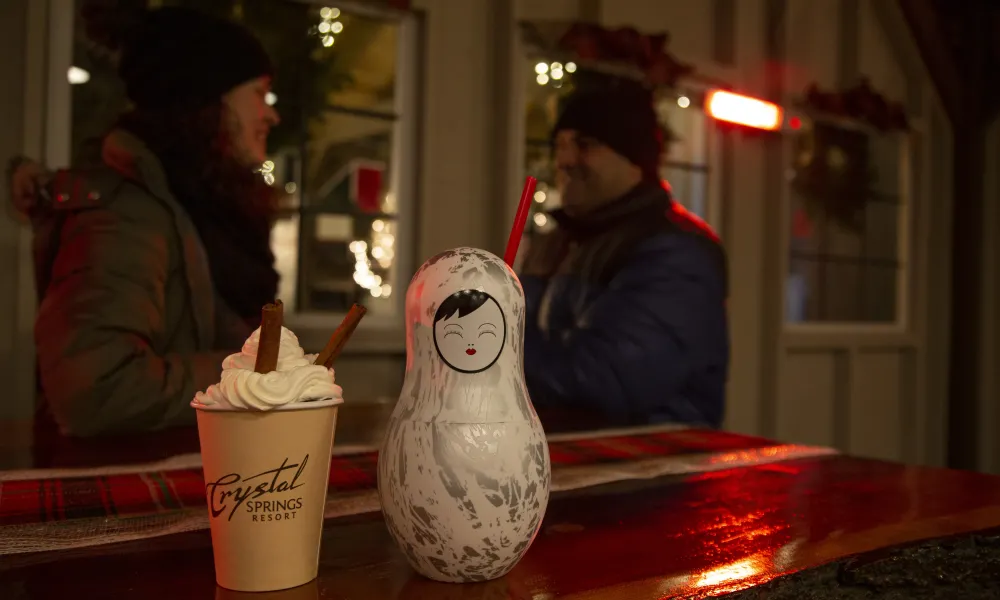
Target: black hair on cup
(462, 302)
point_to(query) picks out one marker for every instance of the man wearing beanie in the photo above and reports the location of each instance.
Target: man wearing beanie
(626, 319)
(153, 264)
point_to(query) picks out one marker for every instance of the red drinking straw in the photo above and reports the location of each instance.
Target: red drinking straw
(517, 229)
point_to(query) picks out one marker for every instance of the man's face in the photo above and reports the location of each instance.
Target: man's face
(250, 119)
(590, 174)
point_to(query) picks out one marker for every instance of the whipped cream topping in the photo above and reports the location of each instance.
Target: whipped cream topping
(295, 380)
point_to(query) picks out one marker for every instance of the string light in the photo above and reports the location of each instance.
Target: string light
(76, 75)
(329, 27)
(267, 171)
(382, 251)
(554, 73)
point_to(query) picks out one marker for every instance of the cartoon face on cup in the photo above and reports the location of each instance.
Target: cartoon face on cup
(469, 331)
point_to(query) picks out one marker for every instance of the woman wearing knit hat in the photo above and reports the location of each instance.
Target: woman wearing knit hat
(153, 265)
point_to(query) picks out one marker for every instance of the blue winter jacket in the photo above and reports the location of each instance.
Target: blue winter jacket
(632, 327)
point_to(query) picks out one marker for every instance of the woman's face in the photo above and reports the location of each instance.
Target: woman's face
(250, 119)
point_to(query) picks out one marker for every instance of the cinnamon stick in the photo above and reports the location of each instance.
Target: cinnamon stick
(271, 318)
(340, 336)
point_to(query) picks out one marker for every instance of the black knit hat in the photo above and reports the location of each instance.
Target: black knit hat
(622, 118)
(182, 57)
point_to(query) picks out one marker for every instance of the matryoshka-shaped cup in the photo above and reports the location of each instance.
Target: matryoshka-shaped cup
(463, 474)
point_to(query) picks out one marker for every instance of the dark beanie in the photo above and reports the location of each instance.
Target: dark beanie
(183, 57)
(623, 119)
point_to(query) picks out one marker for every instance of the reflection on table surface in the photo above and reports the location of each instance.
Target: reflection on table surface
(701, 534)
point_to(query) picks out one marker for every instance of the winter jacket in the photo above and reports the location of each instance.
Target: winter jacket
(129, 326)
(632, 327)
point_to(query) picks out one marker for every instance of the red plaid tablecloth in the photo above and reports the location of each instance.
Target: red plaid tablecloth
(39, 501)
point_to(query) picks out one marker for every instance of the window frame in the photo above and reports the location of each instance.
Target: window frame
(380, 332)
(908, 143)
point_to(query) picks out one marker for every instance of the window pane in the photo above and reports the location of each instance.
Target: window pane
(346, 259)
(363, 51)
(689, 185)
(802, 291)
(842, 290)
(880, 283)
(687, 136)
(845, 219)
(347, 167)
(882, 230)
(807, 227)
(819, 289)
(884, 158)
(843, 239)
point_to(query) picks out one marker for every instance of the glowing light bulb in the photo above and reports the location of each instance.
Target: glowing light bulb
(540, 219)
(571, 67)
(337, 27)
(328, 41)
(683, 102)
(76, 75)
(324, 27)
(271, 98)
(542, 79)
(539, 197)
(541, 68)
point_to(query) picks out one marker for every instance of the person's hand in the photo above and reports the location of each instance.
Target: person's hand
(545, 253)
(24, 182)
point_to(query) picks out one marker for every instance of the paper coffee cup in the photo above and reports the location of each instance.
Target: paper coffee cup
(266, 476)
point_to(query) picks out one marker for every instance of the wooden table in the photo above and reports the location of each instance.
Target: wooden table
(677, 536)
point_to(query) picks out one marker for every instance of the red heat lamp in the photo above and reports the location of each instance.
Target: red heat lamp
(746, 111)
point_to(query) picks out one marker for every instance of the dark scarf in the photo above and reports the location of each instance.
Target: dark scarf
(612, 231)
(236, 238)
(644, 207)
(607, 234)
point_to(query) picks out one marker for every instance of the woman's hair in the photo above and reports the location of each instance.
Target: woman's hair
(198, 154)
(463, 302)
